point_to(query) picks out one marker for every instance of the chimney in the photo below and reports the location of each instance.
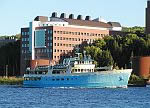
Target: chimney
(63, 15)
(71, 16)
(54, 14)
(87, 18)
(79, 17)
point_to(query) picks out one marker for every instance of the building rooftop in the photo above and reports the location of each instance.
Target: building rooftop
(87, 23)
(79, 21)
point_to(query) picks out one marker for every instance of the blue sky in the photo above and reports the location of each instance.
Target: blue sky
(15, 14)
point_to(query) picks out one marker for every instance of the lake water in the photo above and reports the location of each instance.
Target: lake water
(18, 97)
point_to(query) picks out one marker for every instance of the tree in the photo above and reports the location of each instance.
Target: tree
(105, 59)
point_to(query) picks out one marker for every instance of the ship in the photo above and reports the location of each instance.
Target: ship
(78, 72)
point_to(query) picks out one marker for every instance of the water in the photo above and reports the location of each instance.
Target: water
(18, 97)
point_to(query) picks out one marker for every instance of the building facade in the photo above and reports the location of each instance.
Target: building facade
(54, 38)
(147, 23)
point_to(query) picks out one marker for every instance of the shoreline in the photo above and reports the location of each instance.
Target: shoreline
(19, 81)
(11, 81)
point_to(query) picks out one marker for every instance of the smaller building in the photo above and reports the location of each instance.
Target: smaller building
(141, 66)
(6, 40)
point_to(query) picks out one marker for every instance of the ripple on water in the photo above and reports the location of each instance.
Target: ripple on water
(18, 97)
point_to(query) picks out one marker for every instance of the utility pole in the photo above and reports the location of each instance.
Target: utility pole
(6, 71)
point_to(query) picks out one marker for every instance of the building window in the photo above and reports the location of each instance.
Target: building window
(66, 32)
(54, 50)
(50, 50)
(22, 45)
(50, 44)
(50, 38)
(22, 33)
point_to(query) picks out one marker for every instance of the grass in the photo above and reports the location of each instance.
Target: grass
(11, 81)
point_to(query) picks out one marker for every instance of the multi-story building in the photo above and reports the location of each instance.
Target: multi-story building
(55, 38)
(147, 29)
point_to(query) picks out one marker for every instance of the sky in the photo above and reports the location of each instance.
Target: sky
(16, 14)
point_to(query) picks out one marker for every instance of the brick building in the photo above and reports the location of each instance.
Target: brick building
(54, 38)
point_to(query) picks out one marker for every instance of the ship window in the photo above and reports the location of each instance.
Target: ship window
(57, 79)
(62, 79)
(72, 70)
(67, 78)
(53, 79)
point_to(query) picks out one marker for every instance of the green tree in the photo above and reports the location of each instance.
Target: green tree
(105, 59)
